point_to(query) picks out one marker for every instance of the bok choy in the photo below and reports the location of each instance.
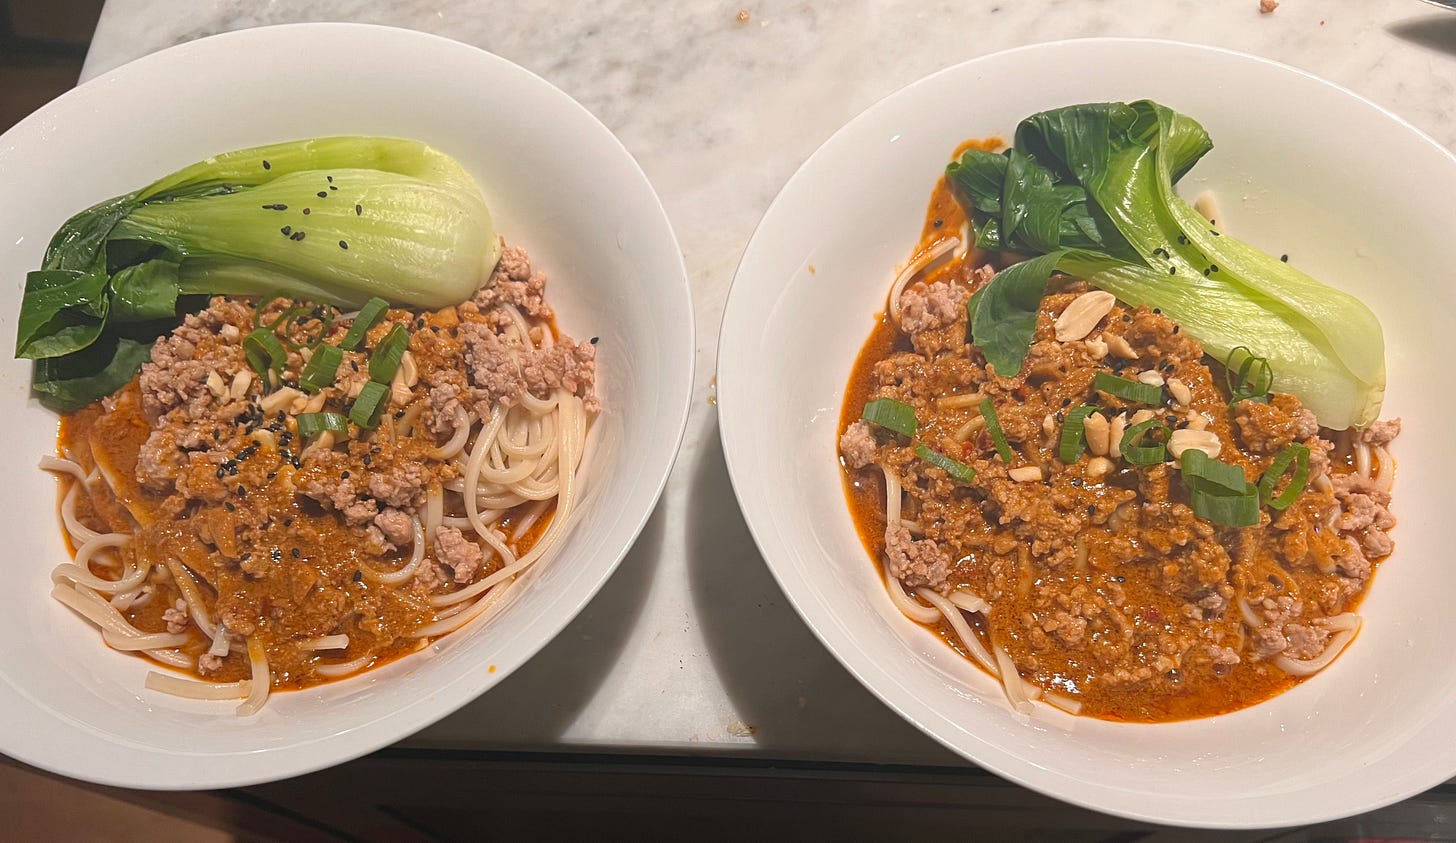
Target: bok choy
(1088, 190)
(330, 220)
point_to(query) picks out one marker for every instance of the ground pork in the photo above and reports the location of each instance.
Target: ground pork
(396, 526)
(513, 283)
(1266, 428)
(177, 617)
(464, 557)
(915, 563)
(1381, 432)
(858, 444)
(937, 306)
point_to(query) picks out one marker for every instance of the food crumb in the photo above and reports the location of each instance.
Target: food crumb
(739, 729)
(812, 270)
(743, 16)
(491, 669)
(1267, 6)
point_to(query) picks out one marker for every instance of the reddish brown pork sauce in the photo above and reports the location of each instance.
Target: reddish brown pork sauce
(1152, 589)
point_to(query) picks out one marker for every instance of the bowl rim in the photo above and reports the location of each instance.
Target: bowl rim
(874, 677)
(244, 768)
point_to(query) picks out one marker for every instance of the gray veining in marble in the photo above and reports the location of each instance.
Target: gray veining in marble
(691, 645)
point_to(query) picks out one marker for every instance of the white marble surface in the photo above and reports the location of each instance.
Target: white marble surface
(691, 646)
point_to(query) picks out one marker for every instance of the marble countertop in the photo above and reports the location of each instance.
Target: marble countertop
(691, 646)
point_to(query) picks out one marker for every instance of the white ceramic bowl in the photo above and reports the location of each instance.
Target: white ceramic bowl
(1356, 197)
(557, 182)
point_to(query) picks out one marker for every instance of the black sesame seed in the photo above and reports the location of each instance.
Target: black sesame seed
(1213, 267)
(286, 230)
(266, 165)
(594, 340)
(1119, 579)
(358, 576)
(295, 553)
(1205, 273)
(242, 493)
(1182, 239)
(1091, 510)
(344, 244)
(367, 460)
(344, 475)
(297, 235)
(323, 194)
(1172, 270)
(330, 178)
(307, 211)
(288, 522)
(1176, 328)
(1284, 258)
(1077, 482)
(1215, 233)
(272, 474)
(333, 187)
(276, 554)
(221, 472)
(246, 556)
(939, 223)
(228, 505)
(1126, 318)
(358, 210)
(1157, 310)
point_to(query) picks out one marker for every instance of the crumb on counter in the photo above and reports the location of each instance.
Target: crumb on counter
(1267, 6)
(743, 16)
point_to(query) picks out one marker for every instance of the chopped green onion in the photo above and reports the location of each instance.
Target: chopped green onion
(370, 404)
(892, 415)
(384, 362)
(322, 368)
(993, 427)
(1137, 453)
(1224, 507)
(955, 468)
(369, 314)
(1200, 466)
(1073, 439)
(264, 352)
(313, 424)
(1249, 378)
(1299, 455)
(1135, 391)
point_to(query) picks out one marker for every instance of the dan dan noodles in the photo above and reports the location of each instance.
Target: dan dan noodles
(288, 492)
(1063, 463)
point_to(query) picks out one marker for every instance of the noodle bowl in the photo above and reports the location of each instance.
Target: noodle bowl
(217, 530)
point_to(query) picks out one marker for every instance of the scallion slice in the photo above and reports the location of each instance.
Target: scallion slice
(1226, 508)
(1198, 466)
(1136, 451)
(265, 354)
(1073, 438)
(892, 415)
(370, 404)
(1129, 390)
(1297, 454)
(369, 314)
(1249, 378)
(955, 468)
(322, 368)
(993, 427)
(313, 424)
(384, 362)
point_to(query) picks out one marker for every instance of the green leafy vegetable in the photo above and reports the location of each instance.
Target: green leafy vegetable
(955, 468)
(1106, 173)
(336, 221)
(71, 382)
(892, 415)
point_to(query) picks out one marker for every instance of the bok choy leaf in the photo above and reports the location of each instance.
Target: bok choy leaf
(331, 220)
(1090, 189)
